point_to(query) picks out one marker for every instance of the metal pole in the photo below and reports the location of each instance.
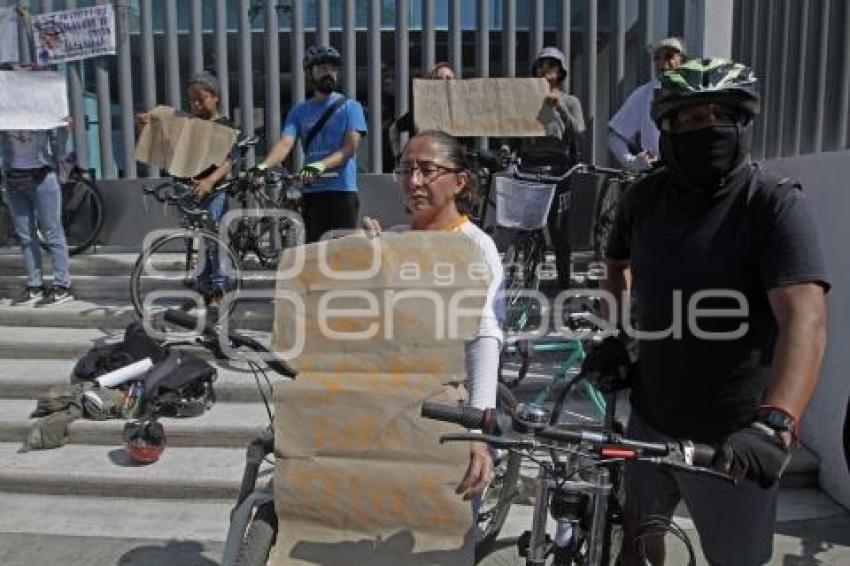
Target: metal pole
(297, 39)
(820, 92)
(429, 45)
(349, 48)
(676, 18)
(766, 94)
(844, 90)
(536, 30)
(589, 79)
(483, 48)
(801, 75)
(323, 34)
(246, 85)
(221, 72)
(402, 63)
(78, 110)
(374, 137)
(618, 56)
(783, 78)
(196, 61)
(645, 16)
(172, 55)
(509, 38)
(456, 37)
(272, 104)
(565, 22)
(125, 91)
(104, 116)
(24, 52)
(402, 57)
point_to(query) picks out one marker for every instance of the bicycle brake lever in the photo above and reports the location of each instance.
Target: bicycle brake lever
(495, 441)
(709, 472)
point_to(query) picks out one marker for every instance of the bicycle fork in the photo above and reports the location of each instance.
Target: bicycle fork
(570, 502)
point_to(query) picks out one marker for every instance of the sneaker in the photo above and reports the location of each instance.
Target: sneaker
(56, 296)
(29, 297)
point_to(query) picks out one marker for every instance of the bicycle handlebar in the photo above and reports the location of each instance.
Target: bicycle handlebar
(680, 454)
(189, 322)
(577, 168)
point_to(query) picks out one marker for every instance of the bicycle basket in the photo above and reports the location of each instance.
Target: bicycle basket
(521, 204)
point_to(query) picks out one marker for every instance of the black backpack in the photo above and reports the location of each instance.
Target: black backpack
(180, 385)
(99, 360)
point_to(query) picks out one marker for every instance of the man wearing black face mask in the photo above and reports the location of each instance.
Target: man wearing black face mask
(730, 286)
(330, 127)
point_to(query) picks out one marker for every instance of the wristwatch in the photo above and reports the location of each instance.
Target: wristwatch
(777, 419)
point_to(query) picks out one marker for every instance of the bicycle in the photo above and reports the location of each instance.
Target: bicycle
(253, 522)
(82, 214)
(575, 492)
(258, 232)
(180, 257)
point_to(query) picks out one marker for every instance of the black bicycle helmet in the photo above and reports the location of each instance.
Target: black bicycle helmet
(701, 81)
(318, 54)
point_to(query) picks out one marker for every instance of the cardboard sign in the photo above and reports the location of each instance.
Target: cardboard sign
(360, 476)
(32, 100)
(482, 107)
(76, 34)
(183, 145)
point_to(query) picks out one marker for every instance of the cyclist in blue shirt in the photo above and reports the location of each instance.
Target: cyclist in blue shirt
(330, 175)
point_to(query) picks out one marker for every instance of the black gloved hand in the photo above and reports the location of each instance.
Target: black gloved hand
(755, 453)
(608, 365)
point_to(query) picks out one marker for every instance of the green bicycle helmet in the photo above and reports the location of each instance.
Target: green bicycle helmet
(701, 81)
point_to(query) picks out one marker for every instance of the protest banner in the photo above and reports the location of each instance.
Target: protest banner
(76, 34)
(483, 107)
(32, 100)
(360, 476)
(182, 144)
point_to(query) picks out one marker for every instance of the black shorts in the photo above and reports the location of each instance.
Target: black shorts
(329, 211)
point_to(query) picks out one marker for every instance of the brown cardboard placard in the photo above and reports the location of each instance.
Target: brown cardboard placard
(499, 107)
(360, 476)
(183, 145)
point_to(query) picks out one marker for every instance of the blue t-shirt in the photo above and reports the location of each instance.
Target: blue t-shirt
(347, 118)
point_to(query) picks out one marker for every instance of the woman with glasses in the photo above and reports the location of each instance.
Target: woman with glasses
(438, 191)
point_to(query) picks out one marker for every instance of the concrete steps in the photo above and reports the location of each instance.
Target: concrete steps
(28, 379)
(182, 473)
(117, 287)
(225, 425)
(114, 313)
(25, 342)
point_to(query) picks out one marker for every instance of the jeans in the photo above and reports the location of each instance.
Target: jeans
(27, 202)
(213, 278)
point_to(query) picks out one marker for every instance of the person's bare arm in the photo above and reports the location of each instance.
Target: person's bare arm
(800, 312)
(339, 157)
(614, 283)
(278, 152)
(205, 186)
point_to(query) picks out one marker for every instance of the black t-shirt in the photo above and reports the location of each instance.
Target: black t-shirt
(723, 252)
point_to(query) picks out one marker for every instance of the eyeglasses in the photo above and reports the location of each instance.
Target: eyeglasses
(429, 171)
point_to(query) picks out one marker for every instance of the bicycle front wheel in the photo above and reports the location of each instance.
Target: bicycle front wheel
(259, 538)
(172, 267)
(82, 215)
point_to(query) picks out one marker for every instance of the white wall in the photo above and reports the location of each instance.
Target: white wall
(824, 178)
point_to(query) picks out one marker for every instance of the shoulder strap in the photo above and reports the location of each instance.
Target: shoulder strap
(317, 127)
